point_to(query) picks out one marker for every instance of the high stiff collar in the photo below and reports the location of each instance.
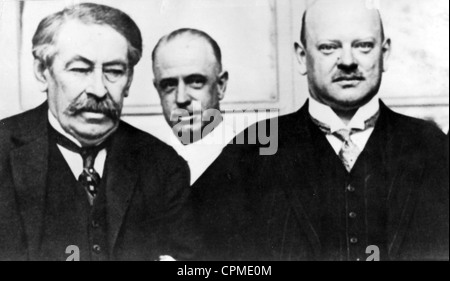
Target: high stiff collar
(29, 168)
(67, 140)
(326, 115)
(57, 126)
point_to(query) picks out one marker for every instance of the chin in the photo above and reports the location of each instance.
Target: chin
(349, 100)
(95, 133)
(347, 106)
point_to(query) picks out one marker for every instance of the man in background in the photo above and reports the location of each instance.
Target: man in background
(191, 82)
(73, 174)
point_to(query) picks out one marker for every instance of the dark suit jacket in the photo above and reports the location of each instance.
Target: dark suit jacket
(220, 203)
(415, 160)
(262, 207)
(148, 201)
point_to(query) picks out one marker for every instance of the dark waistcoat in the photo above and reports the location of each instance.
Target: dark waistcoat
(351, 206)
(69, 219)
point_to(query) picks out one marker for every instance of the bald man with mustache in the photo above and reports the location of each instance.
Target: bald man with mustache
(352, 180)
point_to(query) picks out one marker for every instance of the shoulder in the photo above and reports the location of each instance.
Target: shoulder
(418, 131)
(147, 150)
(144, 142)
(24, 126)
(280, 126)
(25, 121)
(417, 142)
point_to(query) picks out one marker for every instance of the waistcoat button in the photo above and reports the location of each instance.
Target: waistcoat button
(96, 248)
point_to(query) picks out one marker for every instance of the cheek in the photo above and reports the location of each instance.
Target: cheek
(168, 104)
(117, 92)
(69, 86)
(167, 100)
(323, 66)
(372, 72)
(61, 93)
(209, 97)
(370, 64)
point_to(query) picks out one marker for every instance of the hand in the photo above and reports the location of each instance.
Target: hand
(166, 258)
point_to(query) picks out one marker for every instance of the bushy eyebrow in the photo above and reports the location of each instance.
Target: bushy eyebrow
(116, 62)
(166, 80)
(91, 63)
(77, 59)
(195, 76)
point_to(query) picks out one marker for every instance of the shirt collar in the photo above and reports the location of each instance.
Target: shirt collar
(57, 126)
(325, 114)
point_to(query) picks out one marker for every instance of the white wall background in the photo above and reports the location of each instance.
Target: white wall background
(256, 37)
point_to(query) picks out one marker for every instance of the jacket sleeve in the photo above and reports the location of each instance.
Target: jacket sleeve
(182, 241)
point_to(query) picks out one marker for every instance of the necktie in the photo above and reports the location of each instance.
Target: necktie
(89, 178)
(349, 152)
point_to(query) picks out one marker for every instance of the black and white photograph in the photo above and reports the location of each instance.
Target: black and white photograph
(251, 131)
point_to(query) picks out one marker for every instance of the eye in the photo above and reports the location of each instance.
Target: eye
(365, 47)
(114, 74)
(328, 48)
(168, 85)
(80, 70)
(196, 81)
(79, 67)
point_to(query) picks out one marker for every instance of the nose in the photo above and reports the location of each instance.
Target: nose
(347, 60)
(97, 86)
(182, 99)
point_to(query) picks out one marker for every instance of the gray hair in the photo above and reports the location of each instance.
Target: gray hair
(44, 48)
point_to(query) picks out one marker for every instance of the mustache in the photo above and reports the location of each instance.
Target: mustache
(85, 103)
(348, 76)
(186, 110)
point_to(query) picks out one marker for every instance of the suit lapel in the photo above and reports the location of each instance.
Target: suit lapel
(121, 182)
(395, 157)
(29, 163)
(401, 179)
(301, 151)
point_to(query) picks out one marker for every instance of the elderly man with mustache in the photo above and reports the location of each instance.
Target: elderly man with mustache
(72, 175)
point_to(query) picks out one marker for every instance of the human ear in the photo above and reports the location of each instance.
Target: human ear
(130, 79)
(300, 52)
(222, 84)
(386, 53)
(39, 69)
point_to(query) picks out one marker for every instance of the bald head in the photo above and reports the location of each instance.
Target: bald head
(187, 67)
(340, 14)
(191, 37)
(346, 53)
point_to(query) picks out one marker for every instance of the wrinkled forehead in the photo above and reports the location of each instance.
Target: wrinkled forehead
(342, 19)
(76, 33)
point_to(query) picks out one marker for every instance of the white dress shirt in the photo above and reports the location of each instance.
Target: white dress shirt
(326, 115)
(74, 160)
(201, 154)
